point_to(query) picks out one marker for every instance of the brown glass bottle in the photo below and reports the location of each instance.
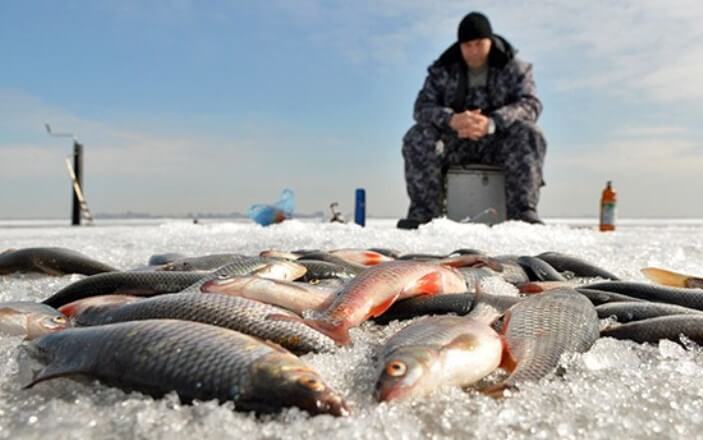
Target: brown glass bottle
(607, 208)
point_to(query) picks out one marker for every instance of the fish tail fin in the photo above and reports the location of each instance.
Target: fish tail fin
(53, 372)
(337, 332)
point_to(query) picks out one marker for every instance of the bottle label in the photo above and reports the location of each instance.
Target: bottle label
(607, 214)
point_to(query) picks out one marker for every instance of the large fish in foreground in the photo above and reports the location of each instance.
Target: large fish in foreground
(437, 351)
(51, 261)
(374, 290)
(197, 361)
(539, 329)
(240, 314)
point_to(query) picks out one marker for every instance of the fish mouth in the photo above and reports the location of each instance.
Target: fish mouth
(330, 404)
(388, 393)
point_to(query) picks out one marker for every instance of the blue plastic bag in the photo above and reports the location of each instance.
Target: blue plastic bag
(269, 214)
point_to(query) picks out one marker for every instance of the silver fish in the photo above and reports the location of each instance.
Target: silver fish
(437, 351)
(197, 361)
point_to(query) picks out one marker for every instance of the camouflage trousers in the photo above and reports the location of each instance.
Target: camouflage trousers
(519, 150)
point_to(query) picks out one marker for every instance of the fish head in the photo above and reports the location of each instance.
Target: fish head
(406, 372)
(282, 380)
(226, 283)
(39, 324)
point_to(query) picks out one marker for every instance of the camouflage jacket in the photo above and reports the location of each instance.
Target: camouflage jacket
(511, 89)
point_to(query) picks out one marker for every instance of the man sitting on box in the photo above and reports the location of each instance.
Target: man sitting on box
(479, 104)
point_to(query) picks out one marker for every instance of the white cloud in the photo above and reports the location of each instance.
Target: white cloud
(639, 48)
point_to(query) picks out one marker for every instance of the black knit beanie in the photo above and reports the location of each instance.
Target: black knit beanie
(474, 26)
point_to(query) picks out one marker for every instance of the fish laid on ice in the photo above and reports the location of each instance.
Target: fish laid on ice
(539, 270)
(255, 266)
(30, 319)
(691, 298)
(374, 290)
(293, 296)
(205, 263)
(655, 329)
(77, 307)
(458, 303)
(437, 351)
(197, 361)
(124, 283)
(575, 265)
(51, 261)
(636, 311)
(240, 314)
(539, 329)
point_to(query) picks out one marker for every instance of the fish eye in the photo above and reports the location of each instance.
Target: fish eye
(396, 368)
(312, 384)
(58, 320)
(314, 281)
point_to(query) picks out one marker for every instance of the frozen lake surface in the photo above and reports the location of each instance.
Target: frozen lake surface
(616, 390)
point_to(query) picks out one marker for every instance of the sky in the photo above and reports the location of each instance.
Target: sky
(213, 106)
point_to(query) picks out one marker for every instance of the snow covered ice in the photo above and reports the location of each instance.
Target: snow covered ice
(618, 389)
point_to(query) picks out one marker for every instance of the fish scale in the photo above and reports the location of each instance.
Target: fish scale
(235, 313)
(197, 361)
(539, 329)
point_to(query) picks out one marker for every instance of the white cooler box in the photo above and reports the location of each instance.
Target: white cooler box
(476, 193)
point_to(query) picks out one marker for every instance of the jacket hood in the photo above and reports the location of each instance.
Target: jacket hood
(501, 53)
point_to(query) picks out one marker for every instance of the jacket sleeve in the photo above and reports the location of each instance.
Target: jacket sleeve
(430, 108)
(525, 105)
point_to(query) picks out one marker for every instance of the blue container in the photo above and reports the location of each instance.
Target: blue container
(360, 207)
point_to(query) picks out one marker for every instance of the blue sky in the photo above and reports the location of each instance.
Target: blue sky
(213, 106)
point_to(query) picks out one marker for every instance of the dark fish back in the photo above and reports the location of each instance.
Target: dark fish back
(127, 283)
(577, 266)
(51, 261)
(655, 329)
(636, 311)
(691, 298)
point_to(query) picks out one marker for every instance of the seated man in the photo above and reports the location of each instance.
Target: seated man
(478, 105)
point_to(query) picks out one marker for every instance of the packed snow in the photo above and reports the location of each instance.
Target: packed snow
(618, 389)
